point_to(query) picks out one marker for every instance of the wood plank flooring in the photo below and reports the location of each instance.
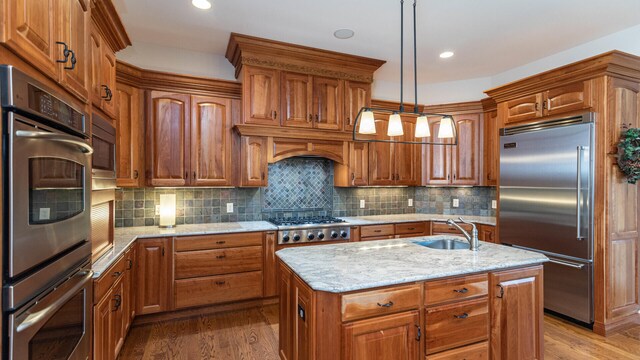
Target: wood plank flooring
(253, 335)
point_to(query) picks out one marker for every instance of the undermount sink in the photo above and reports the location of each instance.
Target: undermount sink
(444, 244)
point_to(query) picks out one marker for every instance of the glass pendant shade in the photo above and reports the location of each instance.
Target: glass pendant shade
(422, 127)
(395, 125)
(446, 128)
(367, 123)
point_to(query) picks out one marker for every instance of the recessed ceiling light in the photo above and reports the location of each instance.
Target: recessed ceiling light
(343, 33)
(201, 4)
(446, 54)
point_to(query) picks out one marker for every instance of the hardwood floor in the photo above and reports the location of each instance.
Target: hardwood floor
(253, 334)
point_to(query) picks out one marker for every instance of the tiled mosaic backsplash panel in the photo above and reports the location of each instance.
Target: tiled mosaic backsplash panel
(299, 184)
(378, 201)
(473, 200)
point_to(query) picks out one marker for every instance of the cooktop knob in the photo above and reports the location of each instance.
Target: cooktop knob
(310, 236)
(334, 234)
(343, 234)
(320, 235)
(285, 238)
(296, 237)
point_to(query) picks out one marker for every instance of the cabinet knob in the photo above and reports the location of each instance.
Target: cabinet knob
(220, 242)
(262, 175)
(387, 305)
(118, 301)
(73, 61)
(220, 282)
(135, 174)
(317, 118)
(461, 291)
(221, 256)
(462, 316)
(130, 264)
(116, 274)
(310, 117)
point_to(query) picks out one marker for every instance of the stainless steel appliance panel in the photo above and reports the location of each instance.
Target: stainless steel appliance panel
(103, 140)
(49, 194)
(568, 287)
(545, 189)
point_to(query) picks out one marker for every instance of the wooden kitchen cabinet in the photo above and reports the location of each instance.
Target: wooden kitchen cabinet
(261, 96)
(130, 137)
(454, 165)
(103, 72)
(297, 100)
(356, 172)
(108, 80)
(487, 233)
(491, 151)
(407, 157)
(75, 18)
(129, 301)
(253, 161)
(387, 337)
(560, 100)
(394, 163)
(357, 96)
(103, 328)
(516, 298)
(285, 330)
(381, 165)
(153, 275)
(328, 103)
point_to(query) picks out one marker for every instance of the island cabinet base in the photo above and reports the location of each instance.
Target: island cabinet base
(495, 315)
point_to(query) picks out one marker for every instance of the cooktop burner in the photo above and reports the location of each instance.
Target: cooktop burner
(305, 221)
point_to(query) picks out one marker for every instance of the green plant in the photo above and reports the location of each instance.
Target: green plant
(629, 154)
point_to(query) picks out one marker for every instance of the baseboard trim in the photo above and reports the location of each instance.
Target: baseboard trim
(616, 326)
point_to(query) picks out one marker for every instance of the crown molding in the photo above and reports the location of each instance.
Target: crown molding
(108, 21)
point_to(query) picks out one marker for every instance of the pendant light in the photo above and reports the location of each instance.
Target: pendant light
(365, 120)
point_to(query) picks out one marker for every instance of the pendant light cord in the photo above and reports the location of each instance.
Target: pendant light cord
(401, 52)
(415, 60)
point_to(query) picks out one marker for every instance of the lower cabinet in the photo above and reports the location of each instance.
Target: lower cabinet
(487, 233)
(394, 336)
(153, 280)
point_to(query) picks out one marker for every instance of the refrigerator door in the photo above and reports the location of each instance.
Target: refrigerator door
(545, 194)
(568, 288)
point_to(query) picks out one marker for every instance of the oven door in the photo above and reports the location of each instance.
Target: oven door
(49, 196)
(57, 326)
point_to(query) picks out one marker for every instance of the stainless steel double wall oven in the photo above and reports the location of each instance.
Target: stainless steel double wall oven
(47, 280)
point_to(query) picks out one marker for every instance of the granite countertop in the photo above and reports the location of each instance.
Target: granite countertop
(124, 237)
(363, 265)
(382, 219)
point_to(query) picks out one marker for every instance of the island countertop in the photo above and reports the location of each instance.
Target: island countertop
(362, 265)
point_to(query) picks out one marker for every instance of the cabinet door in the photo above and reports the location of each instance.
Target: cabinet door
(517, 314)
(168, 120)
(130, 137)
(328, 97)
(381, 167)
(407, 157)
(487, 233)
(491, 154)
(118, 317)
(153, 262)
(381, 338)
(357, 96)
(567, 98)
(297, 100)
(108, 67)
(436, 167)
(102, 328)
(211, 132)
(30, 30)
(359, 163)
(286, 312)
(465, 157)
(253, 159)
(523, 109)
(96, 91)
(128, 301)
(260, 96)
(74, 17)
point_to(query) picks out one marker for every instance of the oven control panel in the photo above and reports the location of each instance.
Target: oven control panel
(311, 235)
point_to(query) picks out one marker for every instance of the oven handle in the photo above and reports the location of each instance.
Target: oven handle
(44, 309)
(86, 148)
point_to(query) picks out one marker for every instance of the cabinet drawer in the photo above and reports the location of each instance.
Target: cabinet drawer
(371, 238)
(206, 242)
(442, 291)
(380, 302)
(478, 351)
(443, 228)
(107, 279)
(220, 261)
(411, 228)
(218, 289)
(376, 230)
(454, 325)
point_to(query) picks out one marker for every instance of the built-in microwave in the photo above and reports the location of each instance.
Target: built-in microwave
(103, 139)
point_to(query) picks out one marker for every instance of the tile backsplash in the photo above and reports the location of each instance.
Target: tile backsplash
(297, 187)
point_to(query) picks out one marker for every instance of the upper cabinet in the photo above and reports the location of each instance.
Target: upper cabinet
(454, 164)
(328, 100)
(357, 96)
(556, 101)
(491, 160)
(261, 95)
(130, 143)
(103, 73)
(75, 18)
(394, 163)
(297, 100)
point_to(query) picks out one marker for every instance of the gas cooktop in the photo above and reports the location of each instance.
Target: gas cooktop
(311, 229)
(315, 220)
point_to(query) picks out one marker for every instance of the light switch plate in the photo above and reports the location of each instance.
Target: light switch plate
(494, 204)
(229, 207)
(361, 204)
(45, 213)
(456, 203)
(410, 202)
(157, 210)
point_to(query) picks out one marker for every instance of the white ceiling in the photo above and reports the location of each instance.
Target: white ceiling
(487, 36)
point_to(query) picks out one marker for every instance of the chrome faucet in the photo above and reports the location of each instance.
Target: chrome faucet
(473, 238)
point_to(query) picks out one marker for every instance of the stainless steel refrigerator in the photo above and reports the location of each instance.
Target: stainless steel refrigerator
(546, 205)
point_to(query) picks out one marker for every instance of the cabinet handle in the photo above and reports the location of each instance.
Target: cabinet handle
(536, 106)
(274, 114)
(353, 176)
(110, 94)
(310, 117)
(262, 175)
(463, 316)
(135, 174)
(411, 228)
(317, 118)
(118, 301)
(220, 242)
(73, 61)
(220, 282)
(377, 231)
(221, 256)
(116, 274)
(65, 52)
(106, 92)
(387, 305)
(419, 335)
(461, 291)
(501, 293)
(448, 177)
(186, 175)
(194, 175)
(163, 251)
(130, 264)
(454, 176)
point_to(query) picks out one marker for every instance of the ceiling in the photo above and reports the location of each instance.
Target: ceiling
(488, 36)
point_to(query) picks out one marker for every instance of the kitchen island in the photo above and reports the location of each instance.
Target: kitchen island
(396, 299)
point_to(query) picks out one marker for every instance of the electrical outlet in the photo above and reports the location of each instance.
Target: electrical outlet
(361, 204)
(45, 213)
(456, 203)
(157, 209)
(410, 202)
(229, 207)
(494, 204)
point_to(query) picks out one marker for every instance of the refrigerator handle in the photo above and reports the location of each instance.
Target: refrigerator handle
(566, 263)
(579, 196)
